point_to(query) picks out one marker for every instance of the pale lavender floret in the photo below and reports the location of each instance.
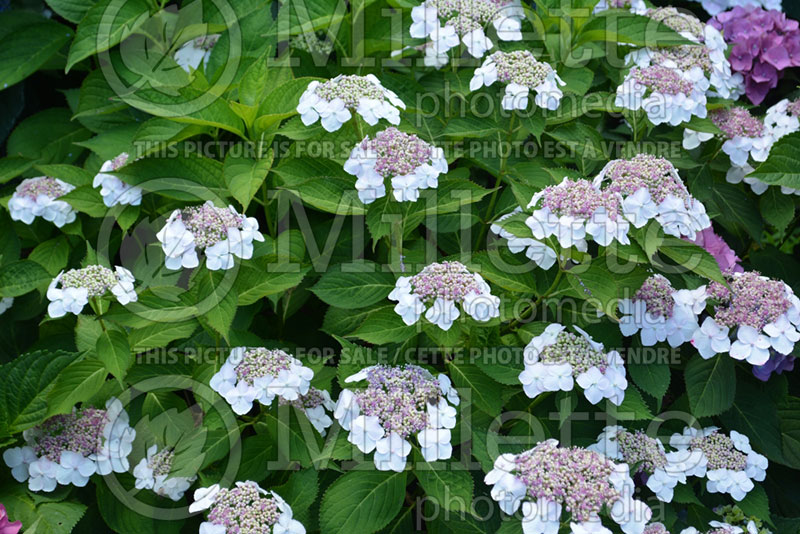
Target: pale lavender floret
(579, 198)
(575, 350)
(310, 400)
(397, 153)
(244, 510)
(720, 452)
(663, 80)
(737, 122)
(655, 528)
(645, 170)
(521, 67)
(80, 431)
(33, 187)
(751, 300)
(398, 397)
(208, 223)
(449, 280)
(639, 448)
(657, 293)
(468, 15)
(260, 362)
(575, 477)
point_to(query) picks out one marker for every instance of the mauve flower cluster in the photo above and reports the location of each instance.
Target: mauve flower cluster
(726, 258)
(764, 44)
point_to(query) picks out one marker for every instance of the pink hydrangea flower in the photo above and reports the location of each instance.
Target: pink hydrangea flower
(7, 527)
(717, 247)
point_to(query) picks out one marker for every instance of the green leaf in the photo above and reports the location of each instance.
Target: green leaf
(352, 290)
(160, 335)
(473, 384)
(48, 136)
(23, 276)
(652, 377)
(737, 210)
(27, 382)
(506, 270)
(113, 350)
(754, 413)
(384, 326)
(186, 177)
(77, 383)
(300, 492)
(777, 208)
(216, 300)
(106, 24)
(29, 41)
(710, 384)
(86, 199)
(756, 503)
(783, 164)
(255, 283)
(69, 173)
(633, 405)
(448, 484)
(56, 518)
(362, 501)
(789, 414)
(617, 26)
(72, 10)
(120, 515)
(244, 176)
(690, 257)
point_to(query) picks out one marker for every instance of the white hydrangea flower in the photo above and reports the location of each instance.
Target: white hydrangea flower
(68, 449)
(409, 163)
(332, 102)
(437, 289)
(668, 96)
(259, 374)
(113, 190)
(152, 473)
(557, 359)
(38, 197)
(193, 53)
(538, 252)
(425, 406)
(221, 233)
(77, 286)
(637, 7)
(315, 403)
(445, 23)
(522, 73)
(574, 477)
(246, 508)
(729, 463)
(5, 304)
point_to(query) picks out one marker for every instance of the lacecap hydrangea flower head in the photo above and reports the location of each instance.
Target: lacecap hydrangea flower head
(659, 312)
(68, 449)
(437, 289)
(196, 52)
(661, 470)
(703, 63)
(397, 403)
(574, 209)
(764, 44)
(316, 403)
(637, 7)
(781, 119)
(728, 463)
(153, 473)
(651, 188)
(757, 312)
(556, 359)
(406, 161)
(70, 291)
(260, 374)
(666, 95)
(113, 190)
(244, 509)
(333, 101)
(220, 233)
(717, 527)
(38, 197)
(548, 480)
(522, 73)
(540, 253)
(445, 23)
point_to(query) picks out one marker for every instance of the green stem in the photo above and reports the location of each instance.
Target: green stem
(497, 182)
(539, 299)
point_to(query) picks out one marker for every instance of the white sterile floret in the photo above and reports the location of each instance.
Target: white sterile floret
(113, 190)
(522, 73)
(5, 304)
(70, 291)
(406, 161)
(729, 463)
(557, 359)
(220, 233)
(446, 23)
(540, 253)
(549, 479)
(259, 374)
(752, 316)
(244, 509)
(573, 210)
(651, 188)
(315, 404)
(659, 312)
(152, 473)
(437, 289)
(397, 403)
(193, 53)
(68, 449)
(38, 197)
(332, 102)
(668, 96)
